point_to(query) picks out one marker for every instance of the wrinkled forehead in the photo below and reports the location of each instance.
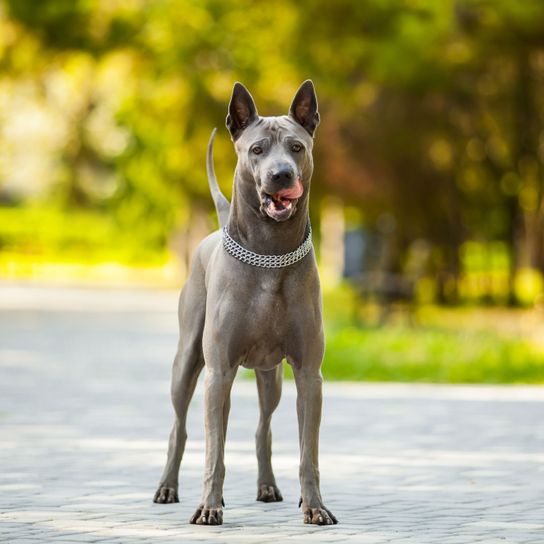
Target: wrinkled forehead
(276, 129)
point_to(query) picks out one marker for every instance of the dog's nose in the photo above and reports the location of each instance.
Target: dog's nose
(283, 176)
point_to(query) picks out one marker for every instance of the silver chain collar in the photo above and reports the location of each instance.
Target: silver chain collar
(266, 261)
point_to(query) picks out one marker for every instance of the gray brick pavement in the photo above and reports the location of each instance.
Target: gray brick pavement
(85, 414)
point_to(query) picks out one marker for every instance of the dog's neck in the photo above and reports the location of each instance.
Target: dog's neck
(259, 233)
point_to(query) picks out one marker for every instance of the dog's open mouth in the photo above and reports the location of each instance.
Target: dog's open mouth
(281, 205)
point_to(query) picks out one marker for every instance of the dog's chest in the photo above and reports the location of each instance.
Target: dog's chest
(270, 327)
(266, 325)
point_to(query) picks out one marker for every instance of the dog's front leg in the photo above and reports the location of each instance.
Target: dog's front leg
(309, 391)
(217, 386)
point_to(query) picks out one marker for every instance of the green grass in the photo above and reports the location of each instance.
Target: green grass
(429, 354)
(78, 236)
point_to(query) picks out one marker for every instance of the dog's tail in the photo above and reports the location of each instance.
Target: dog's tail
(222, 205)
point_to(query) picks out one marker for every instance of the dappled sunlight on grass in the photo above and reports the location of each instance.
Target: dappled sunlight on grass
(430, 354)
(450, 345)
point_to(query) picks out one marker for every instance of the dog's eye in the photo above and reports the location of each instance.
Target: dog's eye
(256, 150)
(296, 147)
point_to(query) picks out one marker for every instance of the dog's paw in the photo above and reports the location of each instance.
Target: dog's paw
(166, 495)
(319, 516)
(269, 493)
(207, 516)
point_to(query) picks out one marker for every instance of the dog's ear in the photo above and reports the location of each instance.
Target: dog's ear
(304, 107)
(242, 110)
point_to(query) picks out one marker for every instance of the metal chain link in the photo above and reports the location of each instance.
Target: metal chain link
(266, 261)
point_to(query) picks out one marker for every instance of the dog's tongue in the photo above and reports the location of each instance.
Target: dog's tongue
(291, 193)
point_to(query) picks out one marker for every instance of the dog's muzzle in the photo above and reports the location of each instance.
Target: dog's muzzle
(281, 205)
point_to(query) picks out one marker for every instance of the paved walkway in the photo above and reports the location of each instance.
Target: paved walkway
(85, 414)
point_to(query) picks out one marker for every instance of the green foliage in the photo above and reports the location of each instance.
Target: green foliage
(432, 112)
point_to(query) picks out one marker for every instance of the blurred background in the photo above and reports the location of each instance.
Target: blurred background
(428, 192)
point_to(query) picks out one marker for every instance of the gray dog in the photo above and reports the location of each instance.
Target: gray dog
(253, 298)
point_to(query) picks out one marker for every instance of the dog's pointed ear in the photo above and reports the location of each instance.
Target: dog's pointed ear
(304, 107)
(242, 110)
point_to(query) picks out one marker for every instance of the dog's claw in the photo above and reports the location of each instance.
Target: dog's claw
(196, 515)
(166, 495)
(207, 516)
(319, 516)
(269, 493)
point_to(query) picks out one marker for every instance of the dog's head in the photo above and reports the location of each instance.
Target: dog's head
(274, 153)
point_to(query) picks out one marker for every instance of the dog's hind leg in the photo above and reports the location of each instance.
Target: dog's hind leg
(188, 364)
(269, 387)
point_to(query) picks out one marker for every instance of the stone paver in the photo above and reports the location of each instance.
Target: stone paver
(85, 415)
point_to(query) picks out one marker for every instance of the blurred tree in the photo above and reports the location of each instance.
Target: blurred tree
(442, 108)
